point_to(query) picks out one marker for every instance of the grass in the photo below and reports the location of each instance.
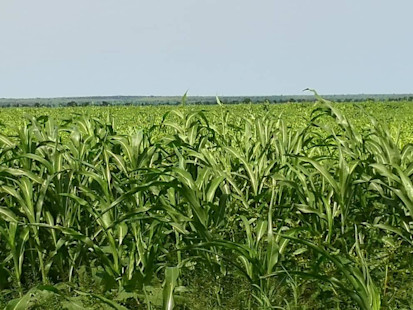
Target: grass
(223, 207)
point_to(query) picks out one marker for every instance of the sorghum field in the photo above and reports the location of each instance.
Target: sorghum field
(292, 206)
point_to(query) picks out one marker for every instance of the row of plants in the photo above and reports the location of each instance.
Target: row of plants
(398, 116)
(206, 211)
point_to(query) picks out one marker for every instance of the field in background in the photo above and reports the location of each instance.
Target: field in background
(295, 206)
(398, 115)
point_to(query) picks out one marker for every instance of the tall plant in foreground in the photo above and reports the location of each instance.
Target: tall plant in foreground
(321, 210)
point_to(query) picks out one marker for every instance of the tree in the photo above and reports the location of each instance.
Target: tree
(71, 104)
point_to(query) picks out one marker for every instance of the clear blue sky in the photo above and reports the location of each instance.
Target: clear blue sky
(51, 48)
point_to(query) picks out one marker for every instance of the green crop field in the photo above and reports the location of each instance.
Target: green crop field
(266, 206)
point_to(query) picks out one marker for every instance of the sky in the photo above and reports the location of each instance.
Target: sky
(52, 48)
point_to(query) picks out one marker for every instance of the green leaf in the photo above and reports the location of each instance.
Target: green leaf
(213, 187)
(20, 303)
(171, 276)
(103, 299)
(7, 215)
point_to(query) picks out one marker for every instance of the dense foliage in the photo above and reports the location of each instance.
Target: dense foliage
(207, 209)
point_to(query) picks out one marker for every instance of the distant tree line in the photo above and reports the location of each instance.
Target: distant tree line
(152, 100)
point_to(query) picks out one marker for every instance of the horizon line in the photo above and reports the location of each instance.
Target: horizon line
(213, 96)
